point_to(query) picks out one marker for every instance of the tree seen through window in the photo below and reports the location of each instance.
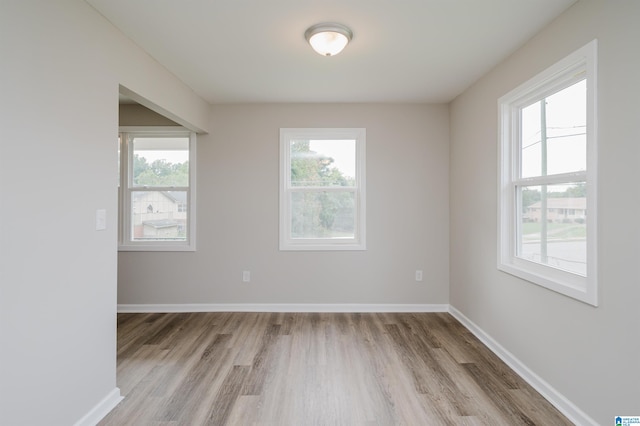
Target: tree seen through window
(326, 209)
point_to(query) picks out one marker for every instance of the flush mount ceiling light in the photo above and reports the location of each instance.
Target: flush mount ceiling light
(328, 39)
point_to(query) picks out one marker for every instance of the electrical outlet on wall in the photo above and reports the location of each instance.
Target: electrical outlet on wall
(246, 276)
(418, 275)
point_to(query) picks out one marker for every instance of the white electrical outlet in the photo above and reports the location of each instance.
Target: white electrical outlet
(418, 275)
(246, 276)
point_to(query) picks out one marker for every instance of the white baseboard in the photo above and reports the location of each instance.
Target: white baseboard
(103, 408)
(281, 307)
(566, 407)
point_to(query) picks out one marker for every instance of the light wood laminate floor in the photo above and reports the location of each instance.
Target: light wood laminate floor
(311, 369)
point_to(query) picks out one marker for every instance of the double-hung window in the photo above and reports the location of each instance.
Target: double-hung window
(157, 189)
(322, 189)
(548, 178)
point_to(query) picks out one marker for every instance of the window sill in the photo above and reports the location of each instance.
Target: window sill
(568, 284)
(174, 248)
(314, 246)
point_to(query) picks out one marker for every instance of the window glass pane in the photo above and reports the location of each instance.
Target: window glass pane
(530, 141)
(553, 133)
(319, 214)
(323, 162)
(566, 130)
(552, 226)
(159, 215)
(160, 161)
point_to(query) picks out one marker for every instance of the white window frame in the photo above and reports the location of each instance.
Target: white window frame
(125, 242)
(579, 65)
(286, 190)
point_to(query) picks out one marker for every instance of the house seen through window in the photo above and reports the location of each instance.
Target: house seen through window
(156, 191)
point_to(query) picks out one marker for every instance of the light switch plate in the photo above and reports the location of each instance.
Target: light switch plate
(101, 220)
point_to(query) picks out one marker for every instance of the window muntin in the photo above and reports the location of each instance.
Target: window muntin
(322, 202)
(547, 179)
(158, 195)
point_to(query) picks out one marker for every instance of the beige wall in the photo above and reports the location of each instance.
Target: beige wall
(62, 64)
(138, 115)
(407, 215)
(590, 355)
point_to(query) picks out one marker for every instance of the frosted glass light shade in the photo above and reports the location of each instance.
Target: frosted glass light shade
(328, 39)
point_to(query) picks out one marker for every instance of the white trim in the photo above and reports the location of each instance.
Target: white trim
(318, 244)
(581, 64)
(101, 409)
(281, 307)
(153, 129)
(125, 243)
(566, 407)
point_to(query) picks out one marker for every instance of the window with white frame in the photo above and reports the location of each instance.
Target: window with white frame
(548, 178)
(157, 189)
(322, 189)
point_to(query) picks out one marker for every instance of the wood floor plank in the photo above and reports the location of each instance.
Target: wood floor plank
(262, 361)
(315, 369)
(481, 408)
(227, 395)
(535, 406)
(499, 395)
(181, 401)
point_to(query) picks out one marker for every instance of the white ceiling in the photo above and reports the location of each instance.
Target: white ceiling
(237, 51)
